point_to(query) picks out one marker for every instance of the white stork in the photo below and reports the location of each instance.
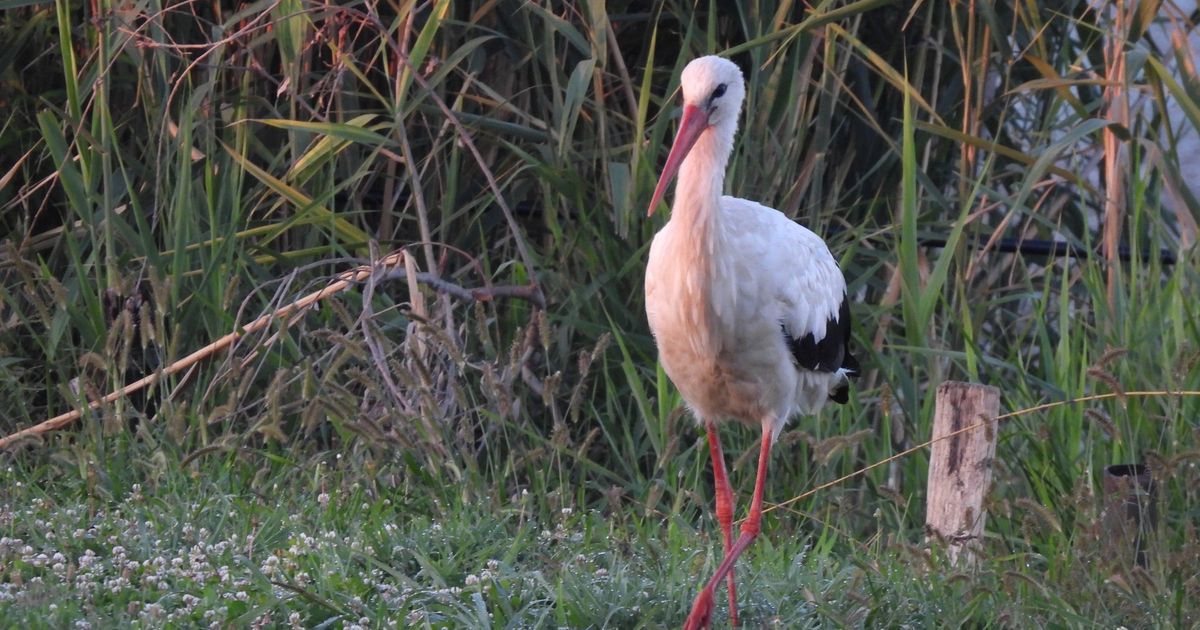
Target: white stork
(748, 308)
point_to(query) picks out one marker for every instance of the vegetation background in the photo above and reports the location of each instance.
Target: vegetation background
(400, 455)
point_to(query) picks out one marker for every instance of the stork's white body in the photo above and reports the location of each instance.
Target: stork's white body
(717, 295)
(747, 307)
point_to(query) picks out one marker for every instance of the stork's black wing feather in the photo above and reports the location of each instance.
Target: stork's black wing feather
(829, 353)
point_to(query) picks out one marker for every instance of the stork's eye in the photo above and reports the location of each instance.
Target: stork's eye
(719, 92)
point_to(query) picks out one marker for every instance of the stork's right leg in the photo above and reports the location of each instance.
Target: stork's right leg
(725, 503)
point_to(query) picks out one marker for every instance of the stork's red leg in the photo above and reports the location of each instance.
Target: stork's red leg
(725, 502)
(701, 614)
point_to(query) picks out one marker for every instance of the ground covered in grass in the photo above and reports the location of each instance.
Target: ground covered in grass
(239, 541)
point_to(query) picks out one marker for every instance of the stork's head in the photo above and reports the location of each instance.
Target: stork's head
(713, 90)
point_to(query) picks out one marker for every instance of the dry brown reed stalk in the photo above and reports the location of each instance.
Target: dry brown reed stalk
(389, 267)
(1116, 105)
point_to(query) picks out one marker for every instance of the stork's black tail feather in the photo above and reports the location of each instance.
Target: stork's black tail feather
(841, 393)
(830, 353)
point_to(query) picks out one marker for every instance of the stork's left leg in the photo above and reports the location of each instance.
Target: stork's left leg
(724, 494)
(701, 614)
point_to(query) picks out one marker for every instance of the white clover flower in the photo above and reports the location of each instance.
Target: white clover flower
(270, 566)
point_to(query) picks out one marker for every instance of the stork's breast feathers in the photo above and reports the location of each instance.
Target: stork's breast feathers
(756, 315)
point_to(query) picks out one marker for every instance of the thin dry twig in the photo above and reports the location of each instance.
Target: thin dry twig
(389, 267)
(978, 425)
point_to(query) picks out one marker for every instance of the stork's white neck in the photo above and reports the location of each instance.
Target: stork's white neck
(708, 291)
(701, 181)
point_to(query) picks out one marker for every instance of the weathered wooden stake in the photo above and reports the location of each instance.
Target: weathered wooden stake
(960, 467)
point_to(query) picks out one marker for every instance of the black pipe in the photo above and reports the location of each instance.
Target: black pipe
(1042, 247)
(1055, 249)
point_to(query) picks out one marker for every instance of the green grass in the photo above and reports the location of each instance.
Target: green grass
(238, 539)
(168, 175)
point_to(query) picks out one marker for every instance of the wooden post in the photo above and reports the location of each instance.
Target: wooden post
(960, 467)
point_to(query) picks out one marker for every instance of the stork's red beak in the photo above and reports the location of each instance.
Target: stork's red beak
(694, 122)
